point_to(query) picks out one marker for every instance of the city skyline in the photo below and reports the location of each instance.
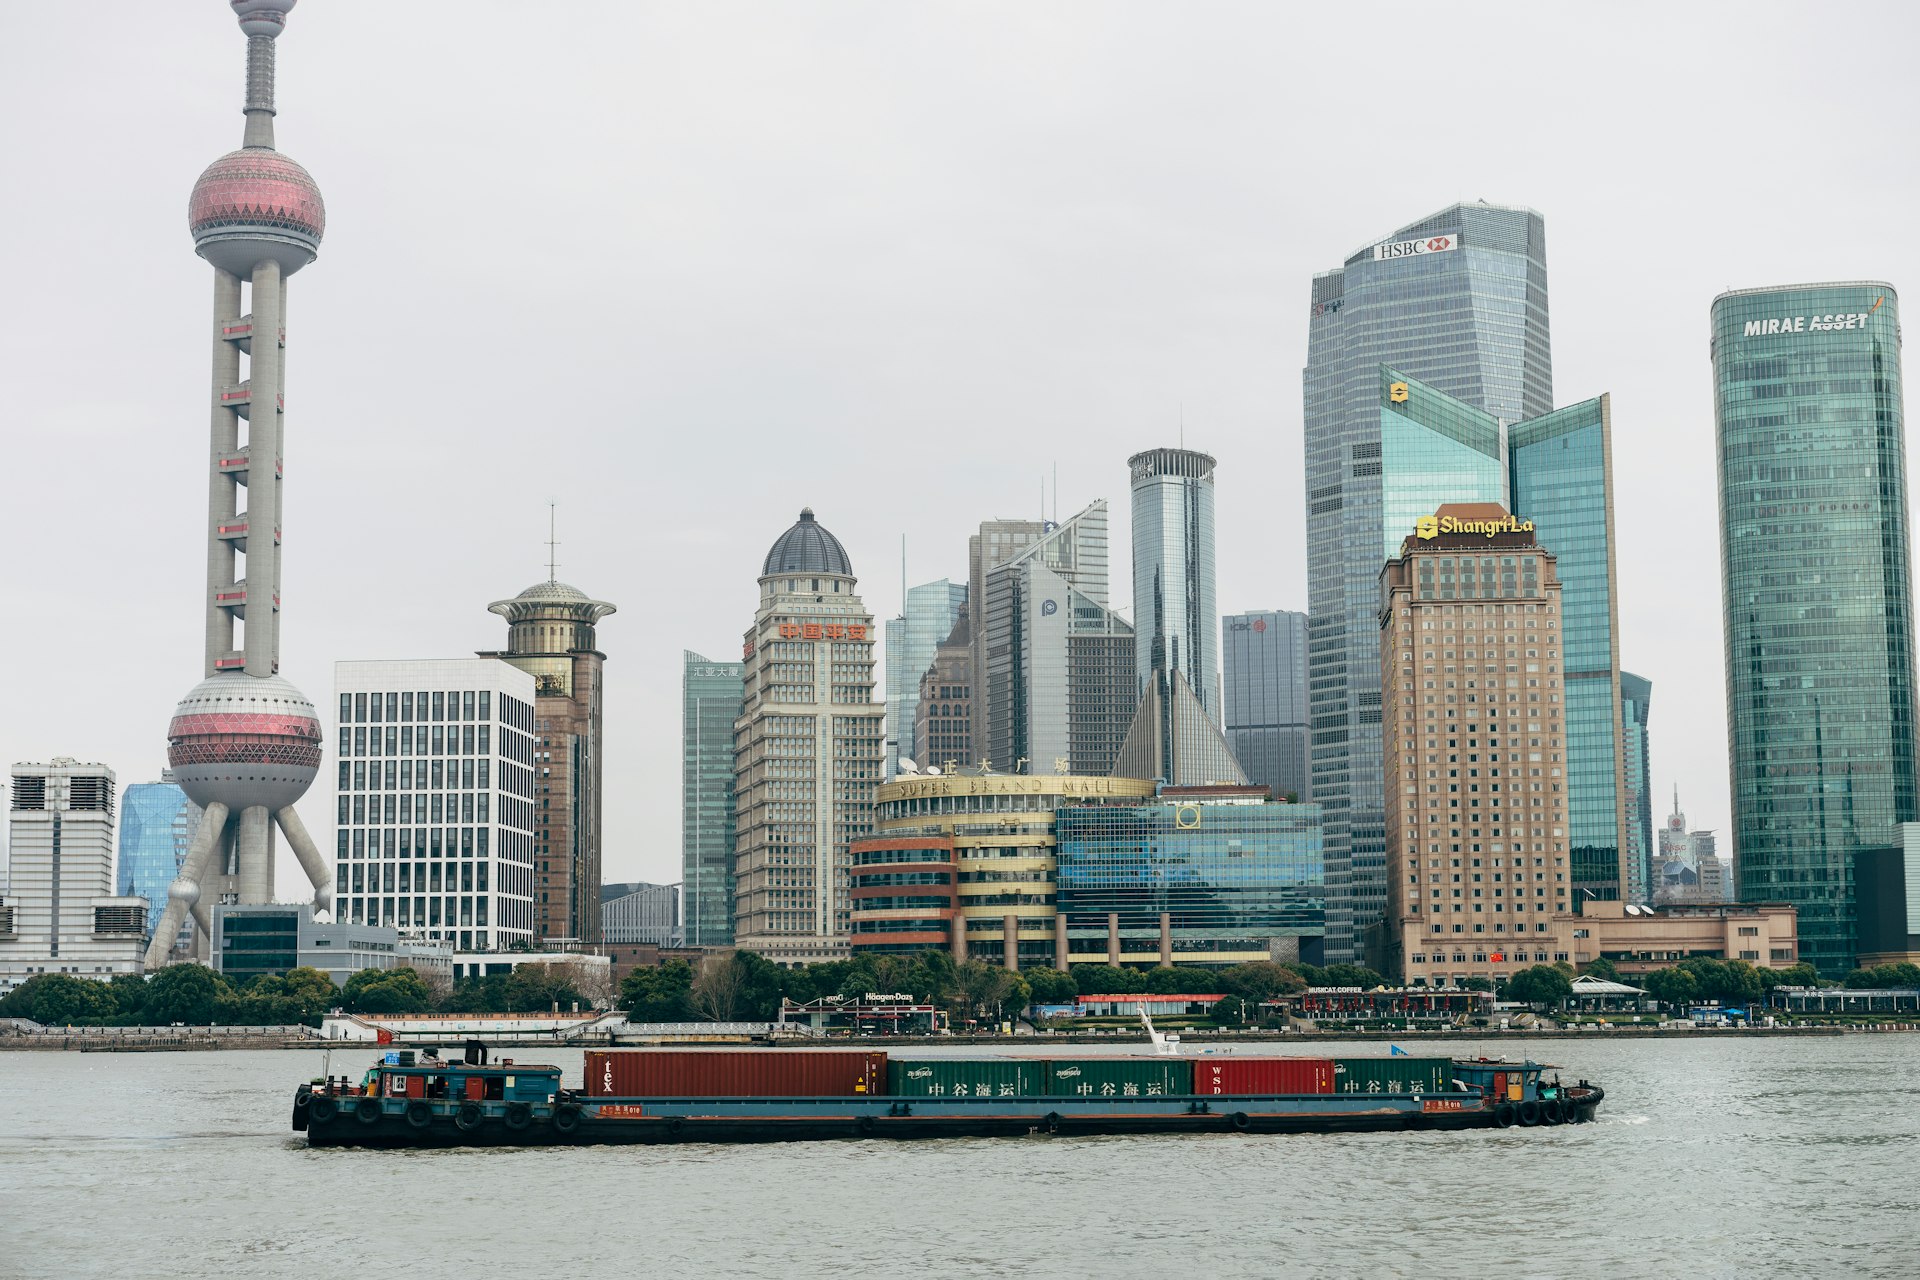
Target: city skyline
(1190, 315)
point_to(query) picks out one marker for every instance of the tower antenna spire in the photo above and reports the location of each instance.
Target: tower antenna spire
(553, 545)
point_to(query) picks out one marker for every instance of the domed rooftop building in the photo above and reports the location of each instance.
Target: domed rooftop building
(807, 548)
(552, 636)
(807, 685)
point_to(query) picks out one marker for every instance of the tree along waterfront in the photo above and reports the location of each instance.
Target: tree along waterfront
(742, 986)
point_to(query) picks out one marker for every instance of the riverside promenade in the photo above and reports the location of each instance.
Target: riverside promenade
(19, 1035)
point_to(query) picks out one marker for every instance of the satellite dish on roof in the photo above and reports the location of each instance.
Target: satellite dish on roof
(933, 770)
(908, 766)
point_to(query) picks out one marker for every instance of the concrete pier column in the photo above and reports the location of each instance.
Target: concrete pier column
(253, 863)
(1166, 940)
(1060, 941)
(959, 940)
(1010, 941)
(1113, 937)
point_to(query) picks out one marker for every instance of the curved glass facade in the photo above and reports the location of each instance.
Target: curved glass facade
(156, 824)
(1817, 591)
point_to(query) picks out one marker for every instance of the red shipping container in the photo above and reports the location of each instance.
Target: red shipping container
(753, 1073)
(1233, 1076)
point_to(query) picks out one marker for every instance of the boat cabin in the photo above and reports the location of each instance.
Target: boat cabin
(403, 1074)
(1499, 1080)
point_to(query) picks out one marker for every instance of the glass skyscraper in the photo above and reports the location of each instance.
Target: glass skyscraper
(1266, 698)
(1176, 619)
(1457, 301)
(1636, 698)
(1560, 476)
(928, 617)
(712, 693)
(156, 825)
(1817, 587)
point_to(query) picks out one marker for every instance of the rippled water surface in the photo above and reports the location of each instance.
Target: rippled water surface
(1712, 1157)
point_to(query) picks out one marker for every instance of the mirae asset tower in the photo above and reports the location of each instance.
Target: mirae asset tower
(1818, 592)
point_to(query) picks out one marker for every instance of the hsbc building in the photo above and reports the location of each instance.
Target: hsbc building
(1458, 301)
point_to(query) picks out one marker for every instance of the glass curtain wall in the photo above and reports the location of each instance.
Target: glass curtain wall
(1817, 589)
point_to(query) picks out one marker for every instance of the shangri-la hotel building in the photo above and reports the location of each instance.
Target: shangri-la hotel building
(1473, 714)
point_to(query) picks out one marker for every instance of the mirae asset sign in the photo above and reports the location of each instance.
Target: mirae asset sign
(1810, 324)
(1413, 248)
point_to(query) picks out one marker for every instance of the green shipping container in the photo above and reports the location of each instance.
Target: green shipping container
(1392, 1075)
(1119, 1077)
(965, 1078)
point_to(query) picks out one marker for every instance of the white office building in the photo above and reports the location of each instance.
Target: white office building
(60, 913)
(640, 912)
(435, 799)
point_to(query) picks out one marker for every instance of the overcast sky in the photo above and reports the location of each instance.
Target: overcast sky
(685, 268)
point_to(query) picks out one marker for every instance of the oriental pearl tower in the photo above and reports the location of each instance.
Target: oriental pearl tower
(244, 743)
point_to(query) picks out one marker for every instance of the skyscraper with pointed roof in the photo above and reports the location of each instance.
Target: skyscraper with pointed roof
(808, 750)
(1175, 735)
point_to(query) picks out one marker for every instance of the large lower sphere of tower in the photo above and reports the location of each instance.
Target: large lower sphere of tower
(243, 741)
(254, 204)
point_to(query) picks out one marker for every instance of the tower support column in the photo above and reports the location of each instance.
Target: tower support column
(263, 475)
(193, 872)
(223, 498)
(253, 863)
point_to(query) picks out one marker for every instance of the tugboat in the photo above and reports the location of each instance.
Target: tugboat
(775, 1095)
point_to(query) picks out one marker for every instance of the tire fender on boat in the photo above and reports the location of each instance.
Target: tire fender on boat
(419, 1113)
(1053, 1122)
(519, 1115)
(322, 1109)
(566, 1118)
(468, 1117)
(1240, 1120)
(369, 1110)
(1504, 1116)
(1530, 1113)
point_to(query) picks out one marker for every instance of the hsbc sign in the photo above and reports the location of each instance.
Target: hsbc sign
(1414, 248)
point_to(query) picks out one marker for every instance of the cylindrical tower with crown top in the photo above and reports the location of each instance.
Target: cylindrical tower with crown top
(245, 743)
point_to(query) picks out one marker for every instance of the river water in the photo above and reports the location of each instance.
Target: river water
(1723, 1156)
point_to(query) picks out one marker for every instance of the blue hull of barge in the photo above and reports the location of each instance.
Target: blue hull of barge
(373, 1122)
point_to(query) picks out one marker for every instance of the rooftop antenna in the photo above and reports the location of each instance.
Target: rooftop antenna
(553, 565)
(903, 575)
(1056, 490)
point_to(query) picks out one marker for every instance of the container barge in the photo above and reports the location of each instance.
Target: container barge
(778, 1095)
